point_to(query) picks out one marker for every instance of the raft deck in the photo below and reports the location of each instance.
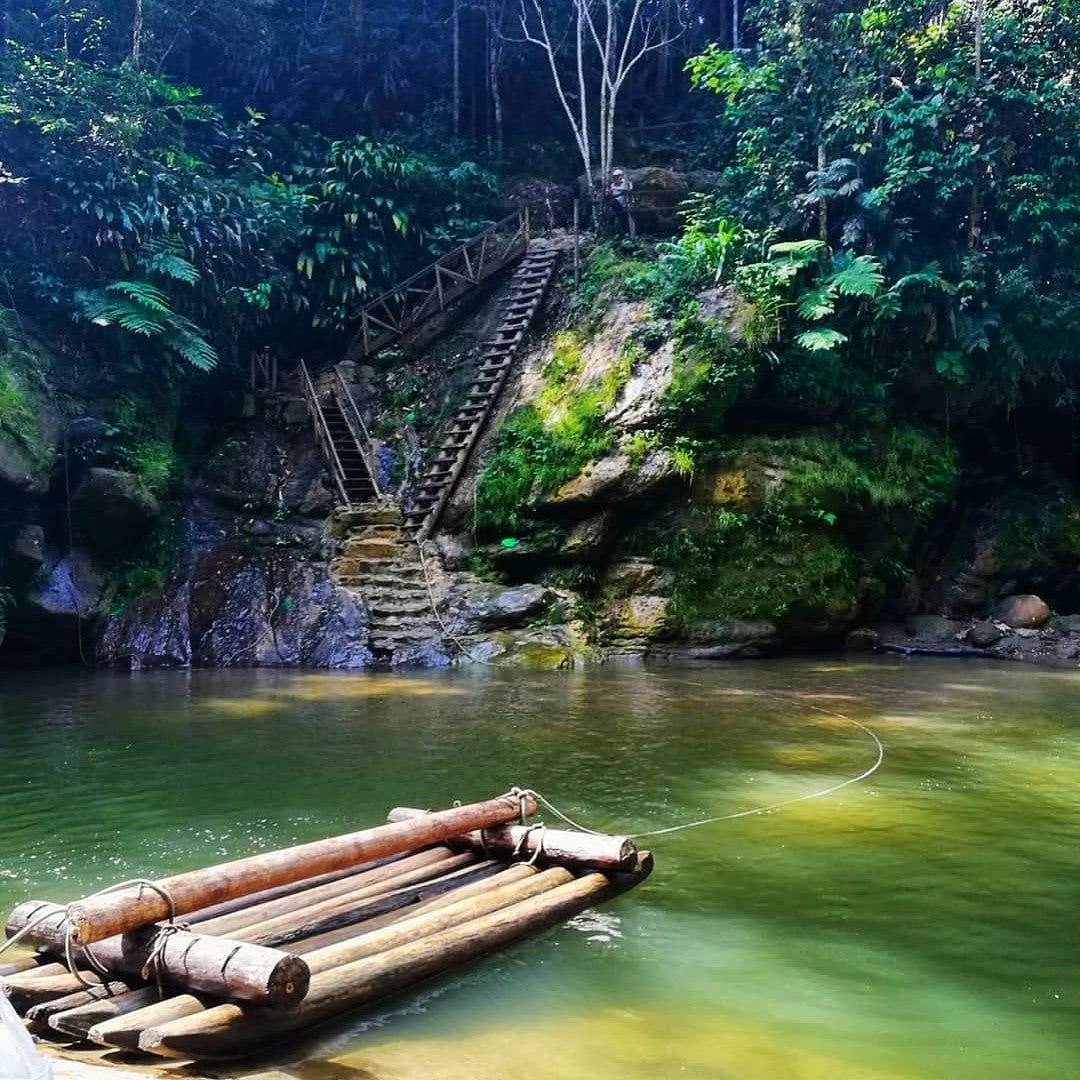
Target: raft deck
(221, 963)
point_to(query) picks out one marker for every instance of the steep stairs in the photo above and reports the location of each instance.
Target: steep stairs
(342, 437)
(355, 476)
(527, 288)
(381, 566)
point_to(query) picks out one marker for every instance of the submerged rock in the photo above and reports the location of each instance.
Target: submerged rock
(1025, 611)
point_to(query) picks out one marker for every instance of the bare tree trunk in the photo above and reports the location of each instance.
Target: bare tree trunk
(736, 25)
(975, 214)
(136, 36)
(495, 48)
(457, 69)
(823, 203)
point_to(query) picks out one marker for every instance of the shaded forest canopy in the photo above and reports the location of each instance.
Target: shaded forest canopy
(896, 219)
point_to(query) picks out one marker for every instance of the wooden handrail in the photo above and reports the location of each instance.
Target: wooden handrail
(358, 428)
(426, 293)
(322, 432)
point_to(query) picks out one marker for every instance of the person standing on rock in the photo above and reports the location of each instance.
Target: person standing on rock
(618, 198)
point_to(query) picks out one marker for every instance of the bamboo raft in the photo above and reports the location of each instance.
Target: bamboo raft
(222, 962)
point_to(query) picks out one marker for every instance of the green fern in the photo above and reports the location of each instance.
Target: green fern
(817, 303)
(164, 256)
(857, 276)
(802, 252)
(821, 339)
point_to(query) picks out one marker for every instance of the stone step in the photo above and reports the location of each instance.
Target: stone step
(372, 548)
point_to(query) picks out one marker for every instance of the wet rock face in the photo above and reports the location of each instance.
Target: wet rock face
(1026, 611)
(267, 471)
(243, 609)
(238, 597)
(68, 594)
(110, 509)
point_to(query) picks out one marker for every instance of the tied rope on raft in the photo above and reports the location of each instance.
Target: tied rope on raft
(156, 951)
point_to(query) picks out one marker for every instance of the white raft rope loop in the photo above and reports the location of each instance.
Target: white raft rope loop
(49, 911)
(523, 793)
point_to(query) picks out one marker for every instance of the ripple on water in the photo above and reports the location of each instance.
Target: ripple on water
(917, 927)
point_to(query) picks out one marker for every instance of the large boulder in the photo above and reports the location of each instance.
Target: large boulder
(111, 508)
(932, 628)
(634, 575)
(1025, 611)
(494, 608)
(591, 538)
(635, 623)
(56, 614)
(617, 478)
(984, 634)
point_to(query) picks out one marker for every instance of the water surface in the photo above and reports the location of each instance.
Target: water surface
(920, 926)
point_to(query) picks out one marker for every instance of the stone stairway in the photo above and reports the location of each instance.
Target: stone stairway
(381, 565)
(527, 289)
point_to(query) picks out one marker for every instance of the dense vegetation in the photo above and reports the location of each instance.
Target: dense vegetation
(895, 228)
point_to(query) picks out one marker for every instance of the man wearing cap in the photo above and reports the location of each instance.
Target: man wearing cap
(618, 197)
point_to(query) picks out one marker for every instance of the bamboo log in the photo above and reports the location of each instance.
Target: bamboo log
(99, 917)
(503, 877)
(228, 969)
(72, 1017)
(124, 1034)
(348, 910)
(23, 992)
(27, 963)
(409, 930)
(123, 1031)
(50, 920)
(230, 1030)
(552, 847)
(401, 872)
(41, 971)
(40, 1016)
(248, 969)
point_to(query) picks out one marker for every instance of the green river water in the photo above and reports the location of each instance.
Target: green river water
(922, 925)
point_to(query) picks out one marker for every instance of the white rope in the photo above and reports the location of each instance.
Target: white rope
(864, 775)
(91, 960)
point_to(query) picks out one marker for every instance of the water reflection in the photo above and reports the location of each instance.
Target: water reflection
(918, 927)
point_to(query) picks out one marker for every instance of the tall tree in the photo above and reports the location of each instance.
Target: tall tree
(609, 38)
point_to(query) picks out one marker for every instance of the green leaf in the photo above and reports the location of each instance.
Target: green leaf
(861, 276)
(817, 303)
(821, 339)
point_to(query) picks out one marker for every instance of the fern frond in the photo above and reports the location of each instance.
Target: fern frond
(822, 339)
(143, 293)
(817, 303)
(858, 276)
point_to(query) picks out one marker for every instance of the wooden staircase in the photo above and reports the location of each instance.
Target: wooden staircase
(527, 289)
(343, 438)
